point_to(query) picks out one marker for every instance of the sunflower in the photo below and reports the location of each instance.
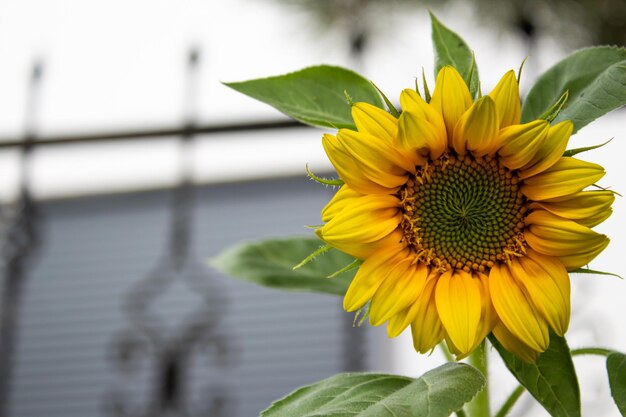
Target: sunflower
(466, 221)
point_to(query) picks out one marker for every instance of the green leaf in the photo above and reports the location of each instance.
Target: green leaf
(596, 81)
(270, 263)
(437, 393)
(551, 380)
(451, 49)
(616, 367)
(314, 95)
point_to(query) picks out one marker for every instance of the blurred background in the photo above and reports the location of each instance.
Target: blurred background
(126, 164)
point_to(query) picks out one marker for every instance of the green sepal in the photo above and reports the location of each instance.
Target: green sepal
(593, 272)
(426, 89)
(470, 76)
(572, 152)
(336, 182)
(312, 256)
(556, 108)
(519, 71)
(390, 106)
(360, 316)
(599, 187)
(348, 98)
(354, 264)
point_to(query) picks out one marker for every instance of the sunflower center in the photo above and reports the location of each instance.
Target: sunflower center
(462, 212)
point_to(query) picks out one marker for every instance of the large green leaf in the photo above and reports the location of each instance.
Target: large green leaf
(551, 380)
(451, 49)
(596, 81)
(616, 367)
(437, 393)
(270, 263)
(314, 95)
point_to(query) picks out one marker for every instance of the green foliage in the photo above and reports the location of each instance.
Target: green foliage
(314, 95)
(437, 393)
(582, 87)
(451, 49)
(551, 380)
(596, 81)
(616, 367)
(270, 263)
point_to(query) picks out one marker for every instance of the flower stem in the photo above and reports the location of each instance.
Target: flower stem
(510, 402)
(446, 352)
(479, 406)
(592, 351)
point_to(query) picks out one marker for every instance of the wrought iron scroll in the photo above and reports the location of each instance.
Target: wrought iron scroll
(166, 352)
(20, 238)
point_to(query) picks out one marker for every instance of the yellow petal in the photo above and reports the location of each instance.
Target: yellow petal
(370, 276)
(374, 121)
(571, 242)
(513, 344)
(459, 305)
(520, 143)
(348, 169)
(343, 197)
(403, 318)
(515, 309)
(419, 138)
(426, 328)
(566, 176)
(596, 218)
(488, 317)
(368, 218)
(477, 128)
(451, 98)
(506, 97)
(546, 281)
(364, 250)
(588, 208)
(400, 289)
(576, 261)
(376, 158)
(411, 102)
(550, 150)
